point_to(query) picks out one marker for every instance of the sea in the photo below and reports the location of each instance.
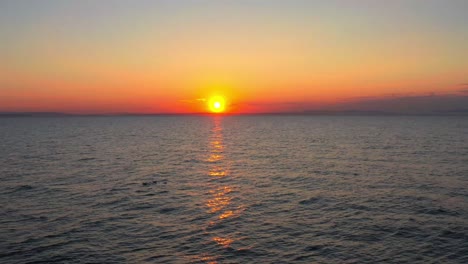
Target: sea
(234, 189)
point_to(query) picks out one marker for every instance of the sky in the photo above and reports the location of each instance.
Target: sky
(172, 56)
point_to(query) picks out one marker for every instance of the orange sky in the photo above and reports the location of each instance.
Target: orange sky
(169, 57)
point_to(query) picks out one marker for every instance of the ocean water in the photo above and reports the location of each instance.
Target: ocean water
(234, 189)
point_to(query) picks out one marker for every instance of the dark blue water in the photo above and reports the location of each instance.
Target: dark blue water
(251, 189)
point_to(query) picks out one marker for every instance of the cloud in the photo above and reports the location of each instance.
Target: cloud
(430, 103)
(278, 107)
(191, 101)
(464, 89)
(423, 104)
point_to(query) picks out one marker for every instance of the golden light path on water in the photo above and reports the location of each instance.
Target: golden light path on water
(219, 204)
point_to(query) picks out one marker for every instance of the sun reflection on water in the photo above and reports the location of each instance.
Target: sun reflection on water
(220, 203)
(215, 157)
(224, 242)
(220, 199)
(218, 171)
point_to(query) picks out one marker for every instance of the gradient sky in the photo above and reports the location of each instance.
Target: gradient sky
(169, 56)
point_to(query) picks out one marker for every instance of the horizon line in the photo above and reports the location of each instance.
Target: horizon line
(454, 112)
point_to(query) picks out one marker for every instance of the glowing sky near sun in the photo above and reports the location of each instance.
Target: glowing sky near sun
(172, 56)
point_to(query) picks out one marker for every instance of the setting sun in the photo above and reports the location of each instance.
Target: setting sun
(217, 104)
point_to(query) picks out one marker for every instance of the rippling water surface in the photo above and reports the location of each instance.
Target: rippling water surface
(238, 189)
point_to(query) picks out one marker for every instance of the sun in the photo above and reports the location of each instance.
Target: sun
(217, 104)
